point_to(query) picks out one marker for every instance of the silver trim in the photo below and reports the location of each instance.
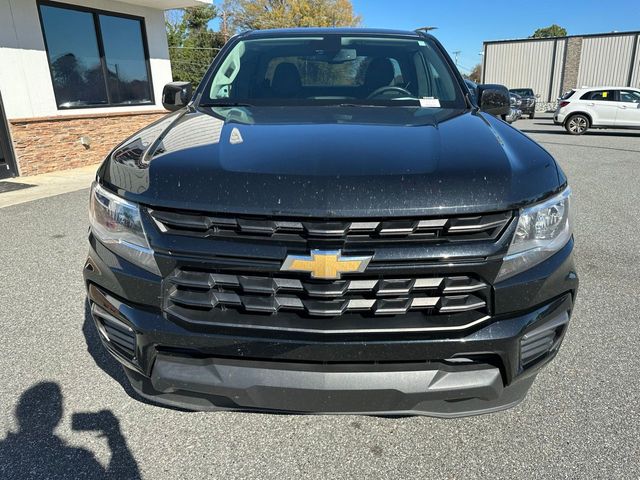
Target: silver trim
(437, 223)
(333, 332)
(462, 308)
(100, 312)
(424, 302)
(476, 228)
(427, 282)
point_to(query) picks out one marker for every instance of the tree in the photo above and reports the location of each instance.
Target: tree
(197, 19)
(476, 74)
(192, 44)
(550, 31)
(263, 14)
(176, 28)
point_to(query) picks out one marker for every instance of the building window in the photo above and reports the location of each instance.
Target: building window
(97, 59)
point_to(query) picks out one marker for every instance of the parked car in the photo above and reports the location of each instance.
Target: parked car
(276, 244)
(514, 113)
(529, 100)
(598, 107)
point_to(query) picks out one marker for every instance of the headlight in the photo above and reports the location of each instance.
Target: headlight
(117, 223)
(542, 230)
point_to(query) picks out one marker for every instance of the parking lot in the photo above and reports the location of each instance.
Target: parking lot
(580, 420)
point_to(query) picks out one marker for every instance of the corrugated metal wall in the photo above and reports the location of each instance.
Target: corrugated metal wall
(520, 64)
(605, 60)
(635, 77)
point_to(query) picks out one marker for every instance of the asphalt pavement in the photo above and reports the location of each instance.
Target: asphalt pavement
(580, 420)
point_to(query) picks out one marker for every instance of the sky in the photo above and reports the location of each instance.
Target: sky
(463, 24)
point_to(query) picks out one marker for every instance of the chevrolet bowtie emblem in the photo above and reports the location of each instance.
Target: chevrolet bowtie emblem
(325, 264)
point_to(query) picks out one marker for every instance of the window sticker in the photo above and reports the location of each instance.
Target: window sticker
(605, 94)
(429, 102)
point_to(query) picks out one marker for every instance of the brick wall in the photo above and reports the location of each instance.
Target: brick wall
(44, 145)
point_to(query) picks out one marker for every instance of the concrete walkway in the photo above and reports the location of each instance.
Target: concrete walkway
(49, 184)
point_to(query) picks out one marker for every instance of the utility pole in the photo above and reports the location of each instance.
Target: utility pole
(456, 53)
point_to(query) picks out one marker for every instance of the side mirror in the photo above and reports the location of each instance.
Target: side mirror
(494, 99)
(176, 95)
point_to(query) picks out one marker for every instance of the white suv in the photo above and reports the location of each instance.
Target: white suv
(598, 107)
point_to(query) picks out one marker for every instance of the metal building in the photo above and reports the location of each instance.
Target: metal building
(552, 66)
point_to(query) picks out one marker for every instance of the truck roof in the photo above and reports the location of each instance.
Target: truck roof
(329, 30)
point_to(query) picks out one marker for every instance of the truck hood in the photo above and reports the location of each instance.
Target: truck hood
(330, 162)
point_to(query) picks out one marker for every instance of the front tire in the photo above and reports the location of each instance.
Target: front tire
(577, 124)
(532, 115)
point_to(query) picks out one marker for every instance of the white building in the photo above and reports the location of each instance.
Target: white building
(78, 68)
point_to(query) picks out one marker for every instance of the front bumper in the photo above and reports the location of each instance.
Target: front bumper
(528, 110)
(480, 370)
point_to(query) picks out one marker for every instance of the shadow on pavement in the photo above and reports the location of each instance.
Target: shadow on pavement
(36, 452)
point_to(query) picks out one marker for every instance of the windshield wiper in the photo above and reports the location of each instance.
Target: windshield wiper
(226, 104)
(368, 105)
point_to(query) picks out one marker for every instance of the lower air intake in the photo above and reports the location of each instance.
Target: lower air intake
(120, 336)
(537, 343)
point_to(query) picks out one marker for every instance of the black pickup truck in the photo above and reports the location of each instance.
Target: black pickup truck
(330, 224)
(529, 100)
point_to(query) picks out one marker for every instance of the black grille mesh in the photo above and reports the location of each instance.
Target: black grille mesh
(211, 291)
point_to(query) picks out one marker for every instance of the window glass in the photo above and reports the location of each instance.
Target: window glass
(95, 59)
(600, 95)
(333, 68)
(126, 64)
(629, 96)
(74, 57)
(524, 92)
(317, 73)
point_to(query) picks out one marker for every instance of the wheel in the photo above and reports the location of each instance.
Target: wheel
(577, 124)
(532, 115)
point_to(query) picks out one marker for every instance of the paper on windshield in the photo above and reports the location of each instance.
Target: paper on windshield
(429, 102)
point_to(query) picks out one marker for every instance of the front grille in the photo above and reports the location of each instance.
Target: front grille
(477, 227)
(206, 296)
(395, 294)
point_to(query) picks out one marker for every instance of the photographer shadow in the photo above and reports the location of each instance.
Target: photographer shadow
(36, 452)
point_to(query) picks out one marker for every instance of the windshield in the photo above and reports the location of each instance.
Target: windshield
(525, 92)
(334, 70)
